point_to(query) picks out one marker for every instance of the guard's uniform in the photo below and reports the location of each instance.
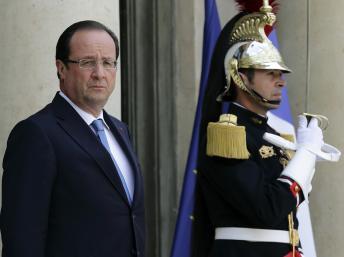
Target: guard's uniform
(249, 193)
(248, 190)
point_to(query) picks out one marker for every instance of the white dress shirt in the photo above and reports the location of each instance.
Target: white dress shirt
(117, 153)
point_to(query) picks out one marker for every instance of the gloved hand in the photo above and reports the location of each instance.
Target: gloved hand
(309, 136)
(301, 167)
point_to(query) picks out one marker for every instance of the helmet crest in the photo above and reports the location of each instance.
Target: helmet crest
(251, 6)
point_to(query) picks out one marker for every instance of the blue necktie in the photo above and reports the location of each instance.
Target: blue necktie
(99, 128)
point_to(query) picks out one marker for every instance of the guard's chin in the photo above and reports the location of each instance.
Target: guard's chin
(272, 105)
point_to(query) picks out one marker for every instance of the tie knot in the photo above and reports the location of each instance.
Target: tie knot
(98, 125)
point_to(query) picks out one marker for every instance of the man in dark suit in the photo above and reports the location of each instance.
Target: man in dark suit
(72, 186)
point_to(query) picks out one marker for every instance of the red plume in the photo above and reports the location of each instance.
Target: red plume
(254, 5)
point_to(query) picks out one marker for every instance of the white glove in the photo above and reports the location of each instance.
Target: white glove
(309, 137)
(301, 167)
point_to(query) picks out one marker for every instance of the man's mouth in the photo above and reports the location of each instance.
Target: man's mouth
(97, 86)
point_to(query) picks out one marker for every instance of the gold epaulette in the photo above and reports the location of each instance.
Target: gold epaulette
(226, 139)
(289, 137)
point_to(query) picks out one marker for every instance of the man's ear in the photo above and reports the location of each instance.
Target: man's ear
(244, 78)
(61, 69)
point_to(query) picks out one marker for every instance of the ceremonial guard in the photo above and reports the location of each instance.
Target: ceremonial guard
(249, 189)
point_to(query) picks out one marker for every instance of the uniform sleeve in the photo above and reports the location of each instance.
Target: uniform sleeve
(294, 188)
(243, 186)
(29, 171)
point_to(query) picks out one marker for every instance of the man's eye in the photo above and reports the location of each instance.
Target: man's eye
(108, 63)
(274, 73)
(88, 62)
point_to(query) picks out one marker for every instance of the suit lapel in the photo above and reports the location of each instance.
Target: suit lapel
(82, 134)
(120, 133)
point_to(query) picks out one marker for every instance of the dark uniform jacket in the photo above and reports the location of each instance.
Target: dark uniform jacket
(246, 193)
(62, 196)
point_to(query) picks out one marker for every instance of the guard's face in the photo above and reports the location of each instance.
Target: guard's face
(267, 83)
(89, 88)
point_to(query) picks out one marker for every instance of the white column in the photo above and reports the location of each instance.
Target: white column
(322, 94)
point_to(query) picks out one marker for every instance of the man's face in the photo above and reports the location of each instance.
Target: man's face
(88, 88)
(268, 84)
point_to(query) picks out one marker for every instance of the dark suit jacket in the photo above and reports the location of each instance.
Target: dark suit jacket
(62, 196)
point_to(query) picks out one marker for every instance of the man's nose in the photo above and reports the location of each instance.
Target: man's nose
(281, 82)
(99, 70)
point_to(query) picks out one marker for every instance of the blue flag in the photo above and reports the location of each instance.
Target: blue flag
(182, 235)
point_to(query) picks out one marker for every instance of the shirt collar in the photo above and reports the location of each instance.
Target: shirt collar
(263, 116)
(87, 117)
(246, 116)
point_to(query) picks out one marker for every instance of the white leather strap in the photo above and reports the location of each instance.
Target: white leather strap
(327, 153)
(252, 234)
